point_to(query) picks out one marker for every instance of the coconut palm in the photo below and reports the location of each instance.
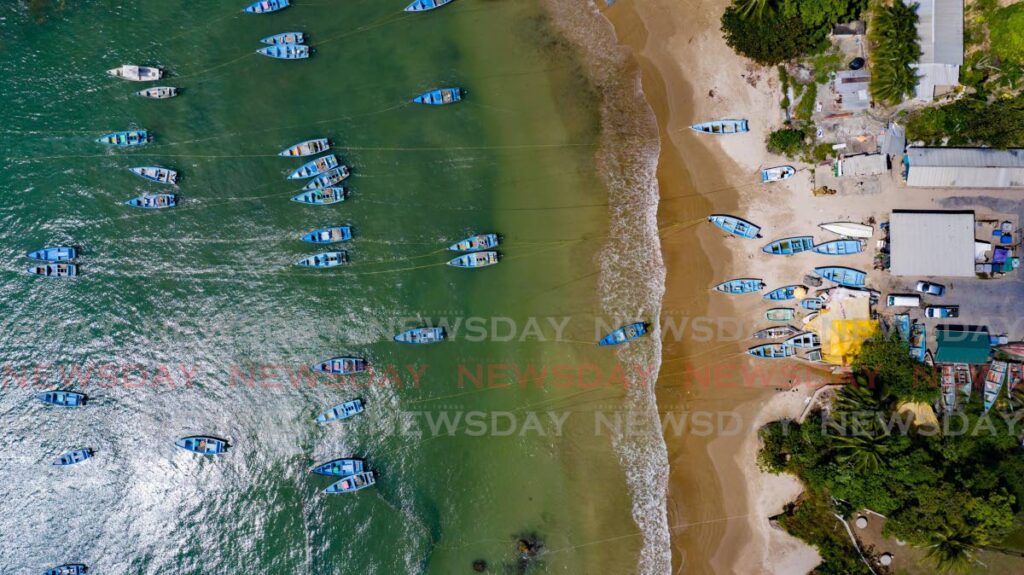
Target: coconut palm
(866, 453)
(752, 7)
(951, 551)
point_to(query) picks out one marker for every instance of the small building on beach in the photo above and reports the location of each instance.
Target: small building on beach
(940, 30)
(924, 243)
(964, 167)
(962, 345)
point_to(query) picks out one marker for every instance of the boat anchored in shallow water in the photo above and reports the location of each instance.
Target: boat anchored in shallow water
(153, 201)
(203, 444)
(324, 197)
(439, 97)
(425, 5)
(53, 254)
(266, 6)
(475, 260)
(73, 457)
(777, 174)
(789, 246)
(352, 483)
(340, 467)
(475, 243)
(341, 411)
(62, 398)
(324, 260)
(68, 569)
(158, 92)
(344, 365)
(54, 270)
(840, 247)
(285, 38)
(624, 334)
(736, 226)
(721, 127)
(285, 51)
(328, 235)
(126, 138)
(740, 286)
(314, 167)
(156, 174)
(843, 276)
(137, 73)
(328, 179)
(421, 335)
(307, 148)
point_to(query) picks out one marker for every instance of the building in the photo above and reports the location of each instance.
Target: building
(960, 345)
(937, 244)
(965, 168)
(851, 87)
(940, 29)
(862, 165)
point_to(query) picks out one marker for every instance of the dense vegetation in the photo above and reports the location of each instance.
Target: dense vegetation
(786, 142)
(774, 31)
(950, 490)
(892, 33)
(994, 49)
(1006, 33)
(971, 121)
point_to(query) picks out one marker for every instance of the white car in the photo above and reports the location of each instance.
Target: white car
(930, 289)
(941, 311)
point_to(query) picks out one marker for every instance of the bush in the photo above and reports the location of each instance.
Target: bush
(1006, 32)
(772, 37)
(893, 36)
(971, 122)
(787, 142)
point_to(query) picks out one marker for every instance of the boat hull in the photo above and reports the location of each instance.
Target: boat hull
(307, 148)
(53, 254)
(68, 569)
(843, 276)
(849, 229)
(777, 174)
(156, 174)
(329, 235)
(266, 6)
(721, 127)
(136, 73)
(789, 246)
(62, 398)
(73, 457)
(340, 468)
(840, 247)
(624, 334)
(324, 197)
(475, 243)
(153, 201)
(125, 139)
(158, 92)
(285, 38)
(426, 5)
(203, 444)
(342, 366)
(314, 167)
(740, 286)
(341, 411)
(421, 335)
(352, 483)
(324, 260)
(779, 314)
(439, 97)
(736, 226)
(328, 179)
(54, 270)
(285, 51)
(475, 260)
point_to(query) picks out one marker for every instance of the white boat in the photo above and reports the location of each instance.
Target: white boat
(159, 92)
(137, 73)
(849, 229)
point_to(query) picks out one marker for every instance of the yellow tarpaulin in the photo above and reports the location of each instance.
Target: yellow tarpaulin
(843, 326)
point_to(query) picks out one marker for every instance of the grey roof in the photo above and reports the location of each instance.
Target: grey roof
(865, 165)
(894, 140)
(965, 168)
(852, 85)
(940, 29)
(932, 243)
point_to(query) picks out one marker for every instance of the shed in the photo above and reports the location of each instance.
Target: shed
(923, 243)
(970, 346)
(965, 167)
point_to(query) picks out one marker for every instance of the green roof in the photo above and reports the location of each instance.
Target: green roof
(961, 346)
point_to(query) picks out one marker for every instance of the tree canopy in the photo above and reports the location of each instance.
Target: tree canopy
(892, 32)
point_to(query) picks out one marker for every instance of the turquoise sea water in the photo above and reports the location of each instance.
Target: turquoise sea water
(194, 321)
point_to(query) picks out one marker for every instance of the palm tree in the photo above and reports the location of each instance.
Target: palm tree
(865, 453)
(951, 551)
(756, 7)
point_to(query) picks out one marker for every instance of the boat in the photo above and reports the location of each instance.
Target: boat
(776, 332)
(424, 5)
(624, 334)
(994, 380)
(1014, 350)
(342, 365)
(124, 139)
(779, 314)
(322, 197)
(777, 174)
(54, 270)
(328, 179)
(964, 380)
(341, 411)
(849, 229)
(266, 6)
(809, 317)
(805, 340)
(285, 51)
(307, 148)
(813, 356)
(340, 467)
(62, 398)
(948, 379)
(153, 201)
(158, 92)
(1014, 375)
(475, 243)
(721, 127)
(772, 351)
(843, 276)
(902, 322)
(840, 247)
(736, 226)
(918, 341)
(475, 260)
(68, 569)
(328, 235)
(73, 457)
(136, 73)
(439, 97)
(789, 246)
(324, 260)
(285, 38)
(314, 167)
(786, 292)
(156, 174)
(352, 483)
(53, 254)
(740, 286)
(421, 335)
(202, 444)
(812, 303)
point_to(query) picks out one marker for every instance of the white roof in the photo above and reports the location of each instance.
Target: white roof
(931, 244)
(965, 168)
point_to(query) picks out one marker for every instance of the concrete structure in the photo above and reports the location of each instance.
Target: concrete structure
(931, 244)
(965, 168)
(940, 29)
(862, 165)
(851, 87)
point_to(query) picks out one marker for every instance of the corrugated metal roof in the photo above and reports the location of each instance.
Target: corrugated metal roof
(865, 165)
(966, 157)
(940, 29)
(894, 141)
(965, 168)
(932, 244)
(956, 346)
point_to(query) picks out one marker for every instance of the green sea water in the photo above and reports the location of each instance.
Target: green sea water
(195, 321)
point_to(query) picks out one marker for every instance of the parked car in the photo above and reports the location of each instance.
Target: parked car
(931, 289)
(857, 63)
(942, 311)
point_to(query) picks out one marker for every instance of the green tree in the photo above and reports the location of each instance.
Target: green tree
(770, 38)
(951, 551)
(786, 142)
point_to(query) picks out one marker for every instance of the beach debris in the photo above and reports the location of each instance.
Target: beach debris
(824, 191)
(528, 548)
(479, 566)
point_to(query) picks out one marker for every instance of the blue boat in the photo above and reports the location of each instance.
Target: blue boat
(624, 334)
(285, 38)
(328, 179)
(73, 457)
(777, 174)
(54, 270)
(324, 260)
(202, 444)
(68, 569)
(918, 341)
(324, 197)
(740, 286)
(475, 243)
(352, 483)
(789, 246)
(812, 303)
(439, 97)
(285, 51)
(784, 293)
(421, 335)
(53, 254)
(424, 5)
(156, 174)
(314, 167)
(475, 260)
(340, 468)
(721, 127)
(328, 235)
(736, 226)
(772, 351)
(62, 398)
(848, 277)
(126, 138)
(341, 411)
(805, 340)
(307, 148)
(266, 6)
(902, 321)
(153, 201)
(342, 365)
(840, 247)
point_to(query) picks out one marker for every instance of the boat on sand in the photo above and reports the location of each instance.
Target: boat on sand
(849, 229)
